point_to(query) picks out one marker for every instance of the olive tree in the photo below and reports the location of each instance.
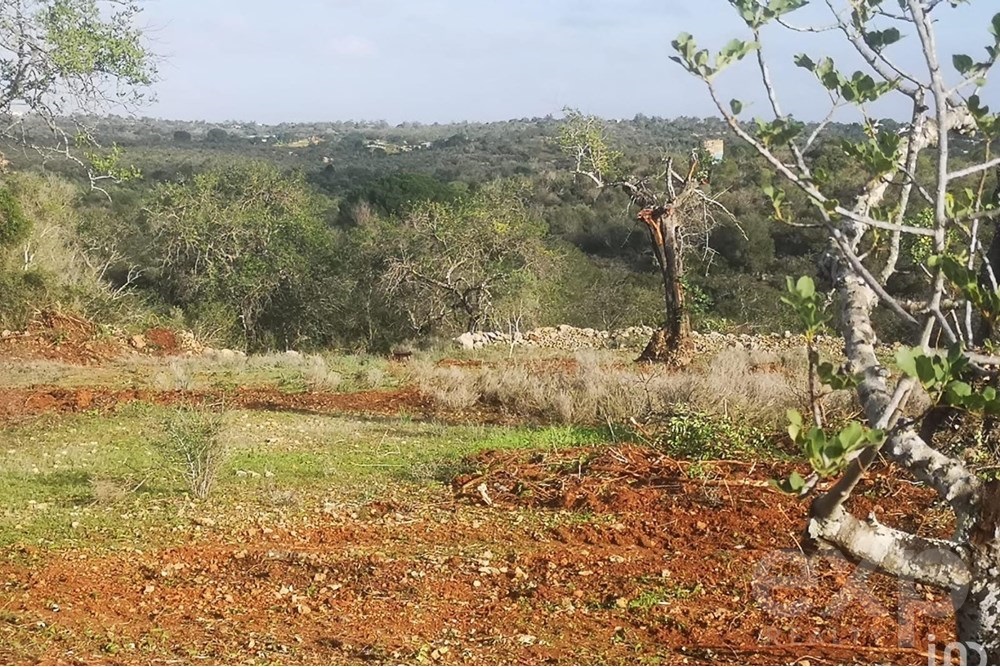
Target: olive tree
(676, 209)
(59, 58)
(901, 199)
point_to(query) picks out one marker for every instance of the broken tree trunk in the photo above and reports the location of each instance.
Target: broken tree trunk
(671, 344)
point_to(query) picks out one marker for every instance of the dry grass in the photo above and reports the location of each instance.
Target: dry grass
(317, 375)
(107, 491)
(596, 388)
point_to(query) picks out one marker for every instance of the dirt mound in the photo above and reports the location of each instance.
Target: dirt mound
(163, 341)
(608, 479)
(57, 336)
(632, 480)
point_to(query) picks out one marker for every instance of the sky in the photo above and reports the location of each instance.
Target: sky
(430, 61)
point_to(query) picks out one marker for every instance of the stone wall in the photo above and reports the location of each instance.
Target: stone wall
(566, 337)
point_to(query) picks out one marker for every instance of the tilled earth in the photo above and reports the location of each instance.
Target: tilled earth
(20, 403)
(599, 555)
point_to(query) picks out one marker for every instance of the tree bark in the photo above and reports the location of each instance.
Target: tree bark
(978, 614)
(672, 343)
(987, 281)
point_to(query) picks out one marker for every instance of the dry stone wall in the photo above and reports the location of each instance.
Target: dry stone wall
(566, 337)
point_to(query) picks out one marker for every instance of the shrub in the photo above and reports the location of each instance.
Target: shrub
(23, 292)
(318, 376)
(694, 434)
(191, 442)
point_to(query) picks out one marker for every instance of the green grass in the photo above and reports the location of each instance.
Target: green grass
(89, 478)
(663, 595)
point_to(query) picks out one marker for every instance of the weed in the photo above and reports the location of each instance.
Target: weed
(191, 440)
(700, 470)
(181, 376)
(692, 434)
(663, 595)
(318, 376)
(106, 491)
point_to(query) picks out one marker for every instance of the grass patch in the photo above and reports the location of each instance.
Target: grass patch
(663, 595)
(79, 479)
(691, 434)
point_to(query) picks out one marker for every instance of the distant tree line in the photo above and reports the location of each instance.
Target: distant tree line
(331, 243)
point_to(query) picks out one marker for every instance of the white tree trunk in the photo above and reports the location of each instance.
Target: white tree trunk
(978, 616)
(929, 561)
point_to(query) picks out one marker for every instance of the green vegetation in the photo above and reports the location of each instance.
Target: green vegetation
(236, 245)
(689, 434)
(191, 442)
(653, 597)
(196, 241)
(115, 479)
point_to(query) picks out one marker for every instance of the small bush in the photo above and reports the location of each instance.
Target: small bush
(318, 376)
(191, 442)
(179, 375)
(450, 387)
(14, 225)
(24, 292)
(693, 434)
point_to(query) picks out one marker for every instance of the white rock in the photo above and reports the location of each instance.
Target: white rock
(466, 341)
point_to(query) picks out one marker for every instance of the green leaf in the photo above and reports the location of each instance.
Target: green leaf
(796, 481)
(962, 63)
(906, 360)
(958, 392)
(852, 435)
(794, 484)
(879, 39)
(794, 425)
(805, 62)
(735, 106)
(926, 371)
(976, 108)
(805, 287)
(836, 380)
(778, 8)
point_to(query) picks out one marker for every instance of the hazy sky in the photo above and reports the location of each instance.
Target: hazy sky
(446, 60)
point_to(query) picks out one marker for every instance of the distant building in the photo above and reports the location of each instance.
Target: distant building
(716, 148)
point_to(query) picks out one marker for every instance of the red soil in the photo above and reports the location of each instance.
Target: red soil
(661, 565)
